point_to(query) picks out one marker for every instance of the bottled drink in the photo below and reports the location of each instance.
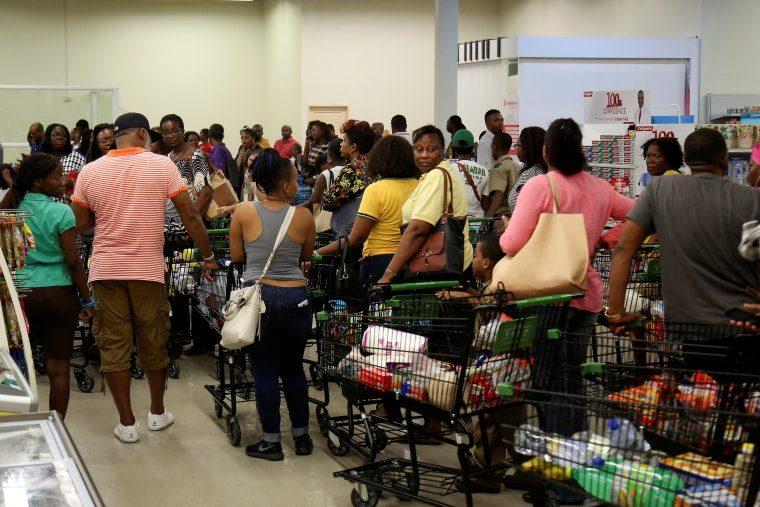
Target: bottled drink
(625, 438)
(742, 471)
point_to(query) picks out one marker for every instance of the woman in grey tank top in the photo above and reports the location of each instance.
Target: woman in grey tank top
(286, 324)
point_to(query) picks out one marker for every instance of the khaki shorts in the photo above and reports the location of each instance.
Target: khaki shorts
(130, 310)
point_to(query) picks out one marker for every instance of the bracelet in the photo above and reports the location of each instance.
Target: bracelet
(391, 272)
(612, 318)
(209, 258)
(315, 253)
(91, 304)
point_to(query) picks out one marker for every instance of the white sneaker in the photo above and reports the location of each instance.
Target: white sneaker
(160, 421)
(127, 434)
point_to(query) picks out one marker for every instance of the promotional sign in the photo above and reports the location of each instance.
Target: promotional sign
(647, 132)
(617, 106)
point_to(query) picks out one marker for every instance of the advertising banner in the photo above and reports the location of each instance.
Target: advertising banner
(617, 106)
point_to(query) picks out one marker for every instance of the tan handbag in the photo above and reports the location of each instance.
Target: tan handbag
(321, 218)
(224, 194)
(553, 261)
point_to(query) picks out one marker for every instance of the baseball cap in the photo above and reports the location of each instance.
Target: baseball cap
(135, 121)
(463, 139)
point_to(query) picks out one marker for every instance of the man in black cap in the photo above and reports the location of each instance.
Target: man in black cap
(124, 193)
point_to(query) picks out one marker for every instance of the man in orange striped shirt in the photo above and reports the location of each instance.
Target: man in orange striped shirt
(124, 193)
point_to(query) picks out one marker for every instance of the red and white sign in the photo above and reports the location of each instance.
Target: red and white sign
(514, 132)
(616, 106)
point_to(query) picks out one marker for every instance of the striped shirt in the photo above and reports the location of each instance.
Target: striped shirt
(127, 191)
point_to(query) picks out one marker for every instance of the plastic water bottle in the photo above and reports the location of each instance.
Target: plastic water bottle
(742, 471)
(624, 437)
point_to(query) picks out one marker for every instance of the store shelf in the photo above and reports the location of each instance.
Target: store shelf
(614, 166)
(731, 151)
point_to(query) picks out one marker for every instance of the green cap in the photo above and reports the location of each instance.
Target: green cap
(463, 139)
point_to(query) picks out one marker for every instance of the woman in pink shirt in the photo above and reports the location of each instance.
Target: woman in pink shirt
(579, 192)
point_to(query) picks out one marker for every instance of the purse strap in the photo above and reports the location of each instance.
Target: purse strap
(280, 236)
(447, 187)
(555, 193)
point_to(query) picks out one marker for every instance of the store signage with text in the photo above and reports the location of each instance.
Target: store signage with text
(616, 106)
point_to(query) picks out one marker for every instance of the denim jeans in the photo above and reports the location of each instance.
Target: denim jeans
(373, 268)
(556, 367)
(278, 354)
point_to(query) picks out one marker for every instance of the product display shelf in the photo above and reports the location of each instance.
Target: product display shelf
(718, 105)
(9, 276)
(615, 166)
(39, 464)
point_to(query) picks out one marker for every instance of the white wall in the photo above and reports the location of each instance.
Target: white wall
(727, 29)
(194, 59)
(377, 57)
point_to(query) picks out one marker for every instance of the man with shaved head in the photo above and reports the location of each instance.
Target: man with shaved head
(284, 145)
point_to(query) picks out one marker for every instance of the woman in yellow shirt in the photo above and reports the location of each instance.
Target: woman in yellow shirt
(379, 217)
(423, 208)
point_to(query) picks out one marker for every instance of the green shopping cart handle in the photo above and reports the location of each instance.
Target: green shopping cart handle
(544, 300)
(406, 287)
(316, 258)
(217, 231)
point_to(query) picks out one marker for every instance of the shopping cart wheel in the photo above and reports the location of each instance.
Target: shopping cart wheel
(338, 450)
(323, 420)
(40, 363)
(173, 369)
(85, 382)
(317, 377)
(379, 439)
(373, 495)
(137, 372)
(233, 430)
(218, 409)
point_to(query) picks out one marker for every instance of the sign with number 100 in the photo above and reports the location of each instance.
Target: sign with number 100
(663, 133)
(613, 100)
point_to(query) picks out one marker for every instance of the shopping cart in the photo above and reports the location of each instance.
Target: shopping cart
(445, 361)
(342, 325)
(670, 430)
(643, 294)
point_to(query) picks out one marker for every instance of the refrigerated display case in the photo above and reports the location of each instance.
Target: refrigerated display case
(39, 464)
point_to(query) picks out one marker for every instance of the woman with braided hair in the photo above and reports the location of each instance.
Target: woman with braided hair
(286, 324)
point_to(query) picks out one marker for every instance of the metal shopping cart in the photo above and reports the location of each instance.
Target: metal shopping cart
(669, 430)
(446, 361)
(342, 326)
(234, 386)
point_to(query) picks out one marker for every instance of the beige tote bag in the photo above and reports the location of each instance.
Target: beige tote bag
(553, 261)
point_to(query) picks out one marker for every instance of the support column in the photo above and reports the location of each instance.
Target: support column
(446, 53)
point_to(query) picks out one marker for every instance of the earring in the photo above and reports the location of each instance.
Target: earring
(353, 153)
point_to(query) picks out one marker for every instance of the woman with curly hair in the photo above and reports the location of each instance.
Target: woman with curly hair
(663, 155)
(379, 217)
(344, 196)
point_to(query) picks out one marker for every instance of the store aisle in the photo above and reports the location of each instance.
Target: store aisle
(192, 462)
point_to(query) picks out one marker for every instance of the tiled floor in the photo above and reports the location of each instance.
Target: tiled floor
(193, 463)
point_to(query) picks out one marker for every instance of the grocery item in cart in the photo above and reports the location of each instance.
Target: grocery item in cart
(698, 470)
(377, 339)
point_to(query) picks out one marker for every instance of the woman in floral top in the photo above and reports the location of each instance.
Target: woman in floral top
(344, 196)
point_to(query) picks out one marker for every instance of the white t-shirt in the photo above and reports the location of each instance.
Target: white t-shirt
(484, 150)
(331, 174)
(479, 175)
(405, 135)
